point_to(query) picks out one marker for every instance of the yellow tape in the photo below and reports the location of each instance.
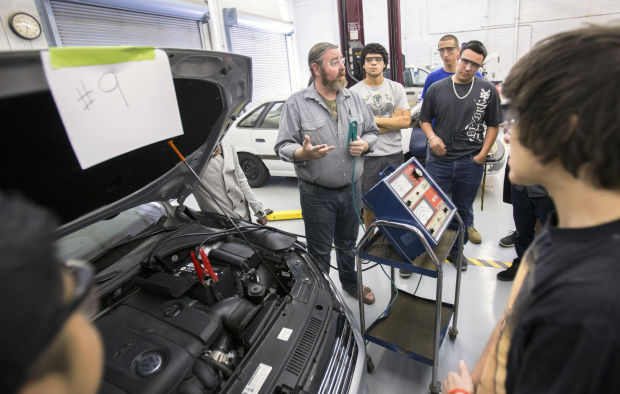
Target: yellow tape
(88, 56)
(476, 262)
(493, 263)
(285, 215)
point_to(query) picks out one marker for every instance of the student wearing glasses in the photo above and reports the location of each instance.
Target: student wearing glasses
(313, 134)
(559, 332)
(466, 114)
(388, 102)
(448, 48)
(47, 342)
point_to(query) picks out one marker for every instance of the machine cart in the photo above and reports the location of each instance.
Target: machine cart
(413, 326)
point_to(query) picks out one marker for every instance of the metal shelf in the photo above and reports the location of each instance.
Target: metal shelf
(414, 326)
(410, 327)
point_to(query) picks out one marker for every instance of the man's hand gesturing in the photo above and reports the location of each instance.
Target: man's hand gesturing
(311, 152)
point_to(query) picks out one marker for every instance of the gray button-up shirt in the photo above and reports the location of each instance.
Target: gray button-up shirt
(305, 113)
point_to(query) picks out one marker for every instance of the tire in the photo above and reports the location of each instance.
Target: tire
(254, 169)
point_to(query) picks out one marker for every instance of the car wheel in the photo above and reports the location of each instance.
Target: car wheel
(254, 169)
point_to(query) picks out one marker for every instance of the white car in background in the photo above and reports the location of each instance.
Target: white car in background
(414, 77)
(254, 136)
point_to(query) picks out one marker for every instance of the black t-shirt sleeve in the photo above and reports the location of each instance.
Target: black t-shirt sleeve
(427, 111)
(493, 114)
(563, 359)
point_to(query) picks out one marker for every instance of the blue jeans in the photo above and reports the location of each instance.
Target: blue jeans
(525, 211)
(462, 178)
(330, 217)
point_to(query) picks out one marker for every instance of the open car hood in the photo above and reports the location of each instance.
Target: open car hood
(39, 162)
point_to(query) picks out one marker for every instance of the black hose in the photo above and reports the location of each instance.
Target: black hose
(235, 313)
(227, 372)
(206, 374)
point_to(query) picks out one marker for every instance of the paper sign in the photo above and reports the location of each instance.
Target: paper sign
(111, 109)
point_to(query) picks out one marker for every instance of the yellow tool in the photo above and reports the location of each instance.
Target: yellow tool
(285, 215)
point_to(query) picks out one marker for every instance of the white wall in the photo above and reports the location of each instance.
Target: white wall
(493, 22)
(8, 40)
(315, 21)
(423, 22)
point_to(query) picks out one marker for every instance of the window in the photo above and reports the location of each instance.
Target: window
(419, 77)
(251, 119)
(407, 78)
(414, 77)
(270, 60)
(272, 119)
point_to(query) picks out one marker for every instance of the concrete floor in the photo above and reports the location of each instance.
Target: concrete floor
(482, 299)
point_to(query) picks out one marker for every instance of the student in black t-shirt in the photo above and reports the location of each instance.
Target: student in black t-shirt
(466, 114)
(561, 330)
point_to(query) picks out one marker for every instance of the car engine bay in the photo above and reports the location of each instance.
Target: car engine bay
(201, 303)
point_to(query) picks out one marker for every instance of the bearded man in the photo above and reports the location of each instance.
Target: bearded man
(313, 135)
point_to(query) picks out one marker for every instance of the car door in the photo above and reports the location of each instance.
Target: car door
(264, 136)
(265, 131)
(241, 134)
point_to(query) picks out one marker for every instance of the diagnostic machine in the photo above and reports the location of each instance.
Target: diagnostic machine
(409, 195)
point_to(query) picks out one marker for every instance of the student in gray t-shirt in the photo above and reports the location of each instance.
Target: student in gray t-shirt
(388, 102)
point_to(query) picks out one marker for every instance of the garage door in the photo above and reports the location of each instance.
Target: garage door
(88, 24)
(270, 61)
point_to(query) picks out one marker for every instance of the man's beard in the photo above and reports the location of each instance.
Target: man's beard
(336, 84)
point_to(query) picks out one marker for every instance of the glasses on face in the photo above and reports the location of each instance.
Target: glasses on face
(377, 59)
(83, 299)
(468, 62)
(509, 124)
(446, 49)
(336, 62)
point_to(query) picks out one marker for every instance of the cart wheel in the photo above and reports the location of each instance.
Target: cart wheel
(435, 388)
(452, 333)
(370, 366)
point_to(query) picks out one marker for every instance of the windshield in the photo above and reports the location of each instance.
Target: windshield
(88, 242)
(414, 77)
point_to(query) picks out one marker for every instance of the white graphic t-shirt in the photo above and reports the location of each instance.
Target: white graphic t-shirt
(382, 101)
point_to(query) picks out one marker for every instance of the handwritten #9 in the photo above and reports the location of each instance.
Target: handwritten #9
(108, 83)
